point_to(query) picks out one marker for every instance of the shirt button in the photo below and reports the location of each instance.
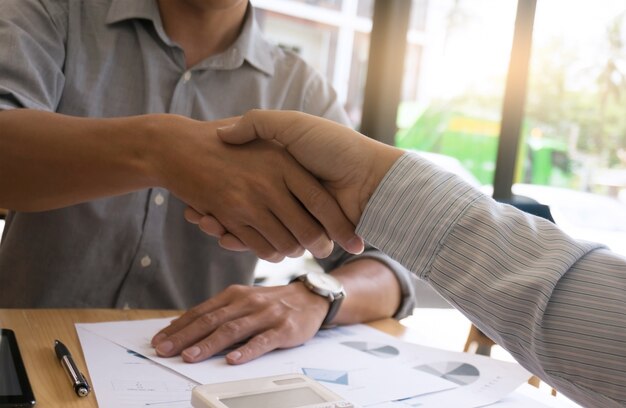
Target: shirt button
(187, 76)
(146, 261)
(159, 199)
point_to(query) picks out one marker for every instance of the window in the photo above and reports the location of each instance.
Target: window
(332, 36)
(575, 121)
(455, 71)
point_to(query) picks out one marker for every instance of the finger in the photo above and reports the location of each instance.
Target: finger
(198, 329)
(254, 125)
(267, 237)
(325, 211)
(257, 346)
(210, 305)
(227, 334)
(301, 230)
(232, 243)
(309, 233)
(192, 215)
(251, 238)
(211, 226)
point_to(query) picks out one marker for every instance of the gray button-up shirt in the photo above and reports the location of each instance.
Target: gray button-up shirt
(111, 58)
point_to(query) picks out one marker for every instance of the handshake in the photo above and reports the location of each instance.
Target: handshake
(321, 192)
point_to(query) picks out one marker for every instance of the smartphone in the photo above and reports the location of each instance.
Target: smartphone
(15, 390)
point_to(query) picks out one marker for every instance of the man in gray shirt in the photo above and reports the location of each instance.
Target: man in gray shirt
(115, 135)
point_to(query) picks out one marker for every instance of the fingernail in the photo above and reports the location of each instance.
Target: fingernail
(192, 352)
(158, 338)
(165, 347)
(234, 356)
(355, 245)
(225, 128)
(322, 248)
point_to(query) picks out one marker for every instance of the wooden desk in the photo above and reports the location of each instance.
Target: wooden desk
(36, 330)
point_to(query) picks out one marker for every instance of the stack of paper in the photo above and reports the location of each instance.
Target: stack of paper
(363, 365)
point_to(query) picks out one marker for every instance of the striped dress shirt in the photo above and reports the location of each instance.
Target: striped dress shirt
(557, 304)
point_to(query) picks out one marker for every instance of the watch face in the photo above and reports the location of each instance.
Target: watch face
(324, 281)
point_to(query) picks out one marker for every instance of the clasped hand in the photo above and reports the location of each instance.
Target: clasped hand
(257, 191)
(349, 167)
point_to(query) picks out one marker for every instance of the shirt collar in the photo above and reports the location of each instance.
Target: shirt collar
(251, 45)
(121, 10)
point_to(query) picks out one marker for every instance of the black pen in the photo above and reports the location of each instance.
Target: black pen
(80, 384)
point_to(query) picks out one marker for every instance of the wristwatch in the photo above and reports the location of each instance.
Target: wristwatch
(328, 287)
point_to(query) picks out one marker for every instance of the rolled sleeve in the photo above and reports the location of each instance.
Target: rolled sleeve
(405, 278)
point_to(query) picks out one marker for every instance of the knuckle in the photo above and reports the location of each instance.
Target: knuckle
(277, 310)
(231, 328)
(289, 326)
(256, 300)
(261, 342)
(194, 313)
(208, 320)
(236, 290)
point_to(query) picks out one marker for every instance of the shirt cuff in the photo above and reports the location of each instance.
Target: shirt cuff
(413, 210)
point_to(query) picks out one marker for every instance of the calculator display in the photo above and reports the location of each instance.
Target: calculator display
(276, 399)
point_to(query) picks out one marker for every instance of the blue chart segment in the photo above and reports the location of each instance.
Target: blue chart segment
(329, 376)
(455, 371)
(375, 349)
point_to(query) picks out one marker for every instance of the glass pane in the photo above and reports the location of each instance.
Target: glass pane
(314, 42)
(365, 8)
(335, 43)
(330, 4)
(358, 76)
(455, 72)
(575, 125)
(417, 20)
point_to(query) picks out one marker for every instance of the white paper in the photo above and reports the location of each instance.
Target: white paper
(361, 364)
(122, 379)
(356, 376)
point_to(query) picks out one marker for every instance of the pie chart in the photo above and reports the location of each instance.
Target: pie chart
(458, 372)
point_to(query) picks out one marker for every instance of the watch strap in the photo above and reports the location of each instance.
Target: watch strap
(334, 300)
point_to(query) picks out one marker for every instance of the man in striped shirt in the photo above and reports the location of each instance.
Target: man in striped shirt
(557, 304)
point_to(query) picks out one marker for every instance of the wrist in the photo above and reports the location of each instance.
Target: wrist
(327, 288)
(315, 301)
(385, 157)
(152, 136)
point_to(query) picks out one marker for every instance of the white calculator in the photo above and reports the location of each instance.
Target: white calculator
(282, 391)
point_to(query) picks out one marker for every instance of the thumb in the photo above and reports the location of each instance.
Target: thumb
(262, 124)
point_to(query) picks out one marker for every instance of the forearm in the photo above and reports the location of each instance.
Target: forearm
(50, 160)
(373, 291)
(553, 302)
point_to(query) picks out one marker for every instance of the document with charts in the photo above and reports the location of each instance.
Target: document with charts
(361, 364)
